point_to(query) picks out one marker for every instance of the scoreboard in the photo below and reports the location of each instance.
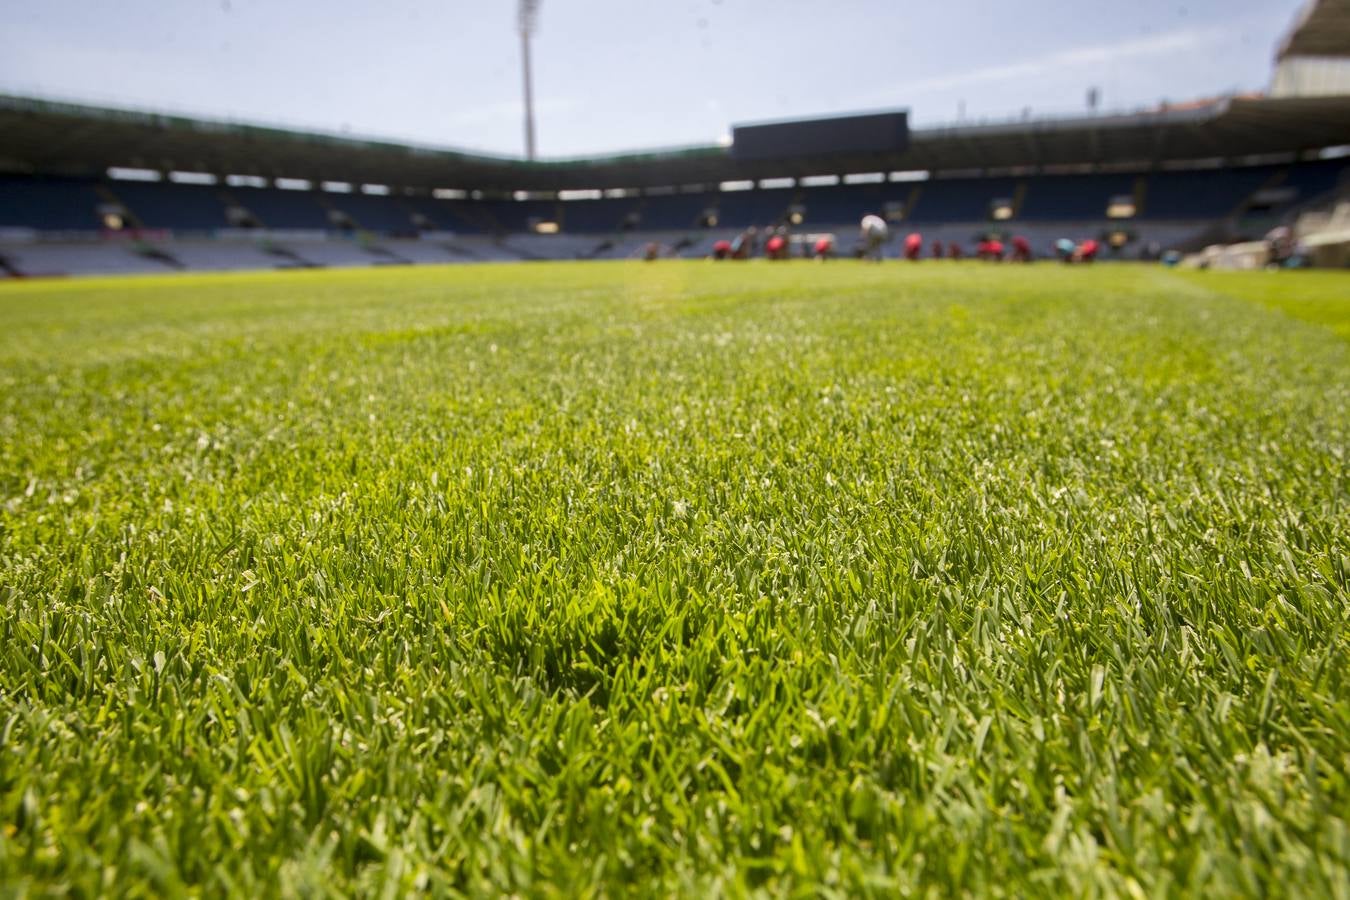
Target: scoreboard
(870, 133)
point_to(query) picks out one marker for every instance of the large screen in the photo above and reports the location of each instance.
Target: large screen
(871, 133)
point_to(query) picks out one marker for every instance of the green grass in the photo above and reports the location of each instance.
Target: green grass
(614, 578)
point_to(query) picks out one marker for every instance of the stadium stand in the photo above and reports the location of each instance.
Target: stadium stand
(668, 213)
(374, 213)
(1046, 179)
(182, 207)
(443, 215)
(49, 204)
(754, 207)
(960, 199)
(1074, 198)
(1205, 195)
(283, 209)
(598, 216)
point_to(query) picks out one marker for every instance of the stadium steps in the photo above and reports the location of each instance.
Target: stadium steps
(338, 218)
(1274, 181)
(520, 252)
(1325, 203)
(386, 256)
(130, 219)
(293, 260)
(1244, 223)
(481, 219)
(1019, 197)
(461, 252)
(595, 252)
(158, 254)
(915, 195)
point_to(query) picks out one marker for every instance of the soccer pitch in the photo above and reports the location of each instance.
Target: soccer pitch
(566, 579)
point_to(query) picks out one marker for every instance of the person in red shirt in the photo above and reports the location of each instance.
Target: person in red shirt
(776, 247)
(937, 249)
(1021, 249)
(824, 248)
(913, 247)
(721, 249)
(1088, 250)
(992, 250)
(955, 250)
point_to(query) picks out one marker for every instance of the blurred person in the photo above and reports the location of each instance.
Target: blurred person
(721, 249)
(1280, 246)
(937, 249)
(874, 235)
(955, 250)
(1021, 249)
(776, 247)
(1088, 250)
(743, 247)
(913, 247)
(824, 248)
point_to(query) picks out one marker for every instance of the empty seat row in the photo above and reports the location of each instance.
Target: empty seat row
(57, 204)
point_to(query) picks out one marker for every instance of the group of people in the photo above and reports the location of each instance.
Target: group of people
(874, 235)
(990, 248)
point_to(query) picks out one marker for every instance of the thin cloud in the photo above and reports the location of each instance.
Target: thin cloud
(1174, 42)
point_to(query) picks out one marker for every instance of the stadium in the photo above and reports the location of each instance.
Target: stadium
(387, 518)
(143, 192)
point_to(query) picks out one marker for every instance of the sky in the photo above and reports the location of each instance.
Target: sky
(615, 75)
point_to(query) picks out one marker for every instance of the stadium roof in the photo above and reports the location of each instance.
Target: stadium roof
(1321, 29)
(41, 136)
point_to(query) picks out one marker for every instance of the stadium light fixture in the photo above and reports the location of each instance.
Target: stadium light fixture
(192, 178)
(253, 181)
(529, 22)
(125, 173)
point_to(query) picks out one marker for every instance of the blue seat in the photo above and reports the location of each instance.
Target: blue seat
(185, 207)
(1203, 194)
(49, 204)
(944, 200)
(275, 208)
(1072, 198)
(373, 212)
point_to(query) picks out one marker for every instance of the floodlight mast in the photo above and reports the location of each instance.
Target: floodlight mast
(529, 17)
